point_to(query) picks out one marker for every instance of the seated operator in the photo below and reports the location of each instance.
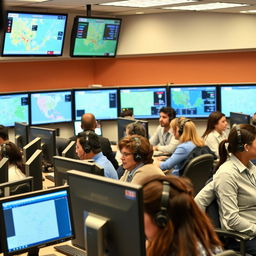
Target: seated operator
(88, 147)
(3, 134)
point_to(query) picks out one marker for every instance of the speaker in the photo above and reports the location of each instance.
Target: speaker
(137, 156)
(161, 217)
(87, 148)
(240, 145)
(182, 125)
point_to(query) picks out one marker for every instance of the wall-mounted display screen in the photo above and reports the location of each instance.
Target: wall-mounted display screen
(30, 34)
(144, 102)
(193, 101)
(102, 103)
(14, 108)
(238, 98)
(95, 37)
(51, 107)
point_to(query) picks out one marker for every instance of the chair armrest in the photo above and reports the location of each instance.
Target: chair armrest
(232, 234)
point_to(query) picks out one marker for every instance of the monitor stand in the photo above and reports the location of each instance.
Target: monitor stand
(33, 252)
(94, 233)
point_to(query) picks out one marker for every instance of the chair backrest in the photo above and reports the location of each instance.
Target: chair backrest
(227, 253)
(212, 212)
(199, 170)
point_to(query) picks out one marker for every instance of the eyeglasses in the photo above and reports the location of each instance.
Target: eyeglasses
(125, 154)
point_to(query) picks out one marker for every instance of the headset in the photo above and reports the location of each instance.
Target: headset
(4, 151)
(182, 125)
(137, 155)
(240, 145)
(161, 217)
(87, 147)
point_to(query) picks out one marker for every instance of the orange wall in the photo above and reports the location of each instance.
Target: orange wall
(178, 69)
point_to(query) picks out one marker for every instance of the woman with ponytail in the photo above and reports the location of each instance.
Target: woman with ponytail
(234, 185)
(174, 225)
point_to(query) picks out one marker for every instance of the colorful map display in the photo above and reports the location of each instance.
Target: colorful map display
(51, 107)
(34, 34)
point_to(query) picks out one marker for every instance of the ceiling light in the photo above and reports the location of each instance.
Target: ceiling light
(146, 3)
(209, 6)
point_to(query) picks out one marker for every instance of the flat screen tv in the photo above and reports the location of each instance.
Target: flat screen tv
(238, 98)
(51, 107)
(193, 101)
(238, 118)
(145, 102)
(14, 108)
(95, 37)
(34, 34)
(100, 102)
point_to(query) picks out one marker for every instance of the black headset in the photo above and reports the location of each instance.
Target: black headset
(161, 217)
(182, 125)
(240, 145)
(86, 146)
(137, 155)
(4, 151)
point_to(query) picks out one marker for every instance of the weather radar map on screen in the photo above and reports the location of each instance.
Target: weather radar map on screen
(95, 37)
(34, 34)
(193, 101)
(51, 107)
(14, 108)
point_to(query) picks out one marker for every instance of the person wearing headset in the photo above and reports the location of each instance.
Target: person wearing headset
(234, 185)
(16, 168)
(3, 134)
(88, 147)
(184, 130)
(174, 224)
(215, 131)
(163, 139)
(136, 156)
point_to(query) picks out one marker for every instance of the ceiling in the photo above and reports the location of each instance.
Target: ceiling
(80, 6)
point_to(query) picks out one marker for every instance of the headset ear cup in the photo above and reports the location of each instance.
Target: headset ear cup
(137, 157)
(87, 147)
(240, 145)
(161, 219)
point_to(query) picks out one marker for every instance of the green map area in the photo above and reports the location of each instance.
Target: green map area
(187, 99)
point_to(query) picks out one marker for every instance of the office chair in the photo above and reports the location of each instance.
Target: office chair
(213, 213)
(199, 170)
(227, 253)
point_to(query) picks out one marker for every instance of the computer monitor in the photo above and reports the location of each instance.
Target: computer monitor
(48, 137)
(78, 129)
(4, 167)
(16, 187)
(63, 164)
(14, 108)
(34, 34)
(33, 167)
(94, 37)
(21, 131)
(35, 219)
(70, 150)
(239, 118)
(145, 102)
(101, 102)
(193, 101)
(238, 98)
(117, 205)
(51, 107)
(30, 148)
(123, 122)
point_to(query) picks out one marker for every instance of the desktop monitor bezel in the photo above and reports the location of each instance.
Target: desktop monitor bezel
(21, 139)
(34, 55)
(74, 33)
(150, 117)
(31, 107)
(29, 195)
(214, 86)
(78, 118)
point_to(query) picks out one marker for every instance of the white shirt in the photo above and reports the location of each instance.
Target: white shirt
(15, 173)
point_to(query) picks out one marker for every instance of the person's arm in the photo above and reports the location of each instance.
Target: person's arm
(227, 191)
(170, 148)
(154, 140)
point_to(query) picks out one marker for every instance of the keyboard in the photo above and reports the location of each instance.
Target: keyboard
(70, 250)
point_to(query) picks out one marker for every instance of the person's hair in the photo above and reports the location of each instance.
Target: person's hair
(168, 111)
(189, 132)
(213, 120)
(4, 132)
(247, 136)
(138, 144)
(90, 139)
(136, 128)
(88, 122)
(126, 112)
(12, 152)
(187, 225)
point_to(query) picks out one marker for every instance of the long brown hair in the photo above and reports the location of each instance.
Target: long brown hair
(187, 225)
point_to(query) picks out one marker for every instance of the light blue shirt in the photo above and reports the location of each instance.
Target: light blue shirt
(178, 158)
(109, 170)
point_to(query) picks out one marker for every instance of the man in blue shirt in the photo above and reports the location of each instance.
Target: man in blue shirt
(88, 147)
